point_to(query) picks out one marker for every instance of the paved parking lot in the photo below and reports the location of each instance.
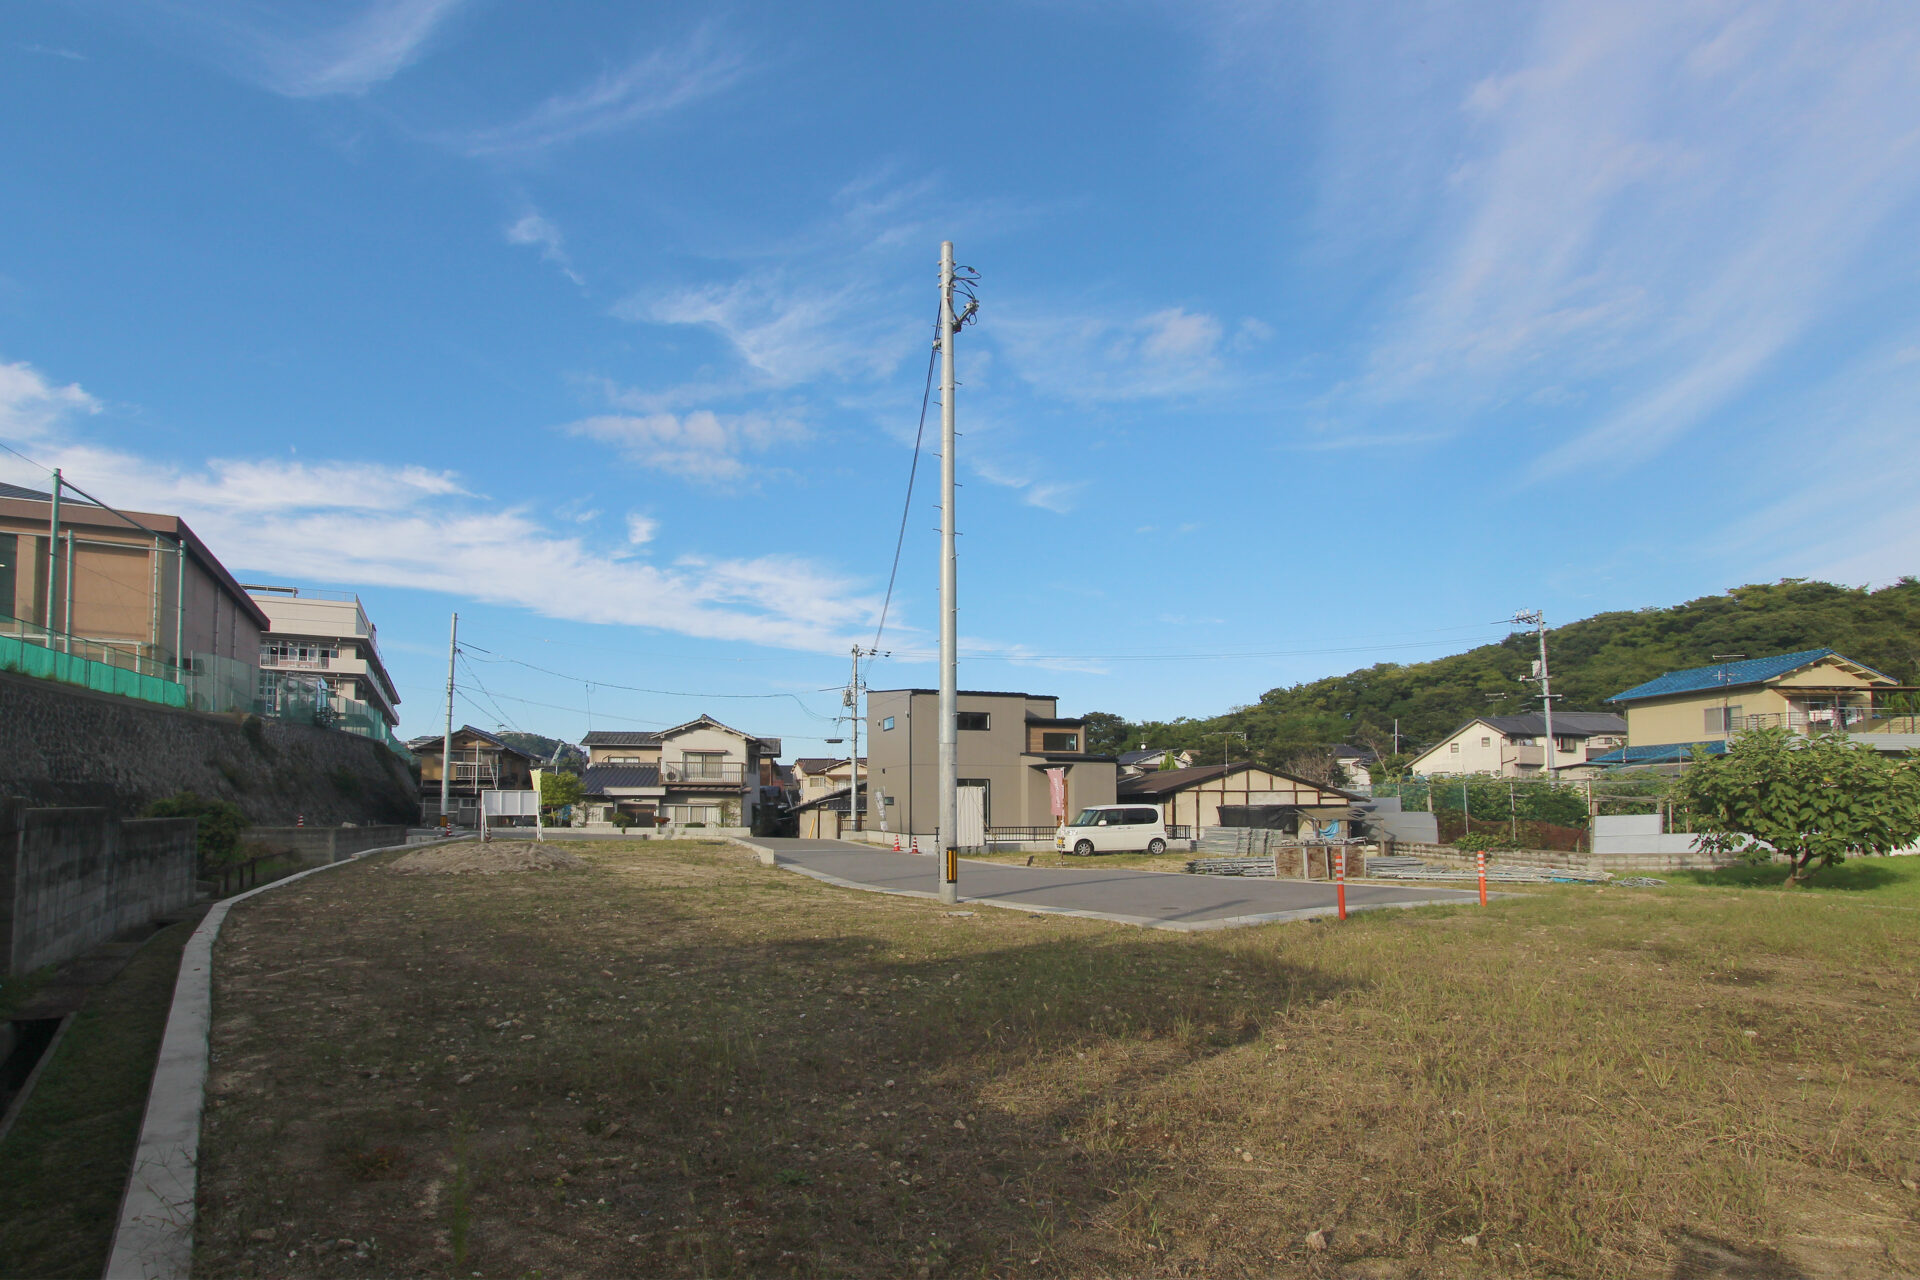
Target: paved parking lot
(1154, 898)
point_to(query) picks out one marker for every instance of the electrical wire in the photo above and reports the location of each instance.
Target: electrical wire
(504, 718)
(629, 688)
(913, 471)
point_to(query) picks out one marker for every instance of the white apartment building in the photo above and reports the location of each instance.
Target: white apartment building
(324, 635)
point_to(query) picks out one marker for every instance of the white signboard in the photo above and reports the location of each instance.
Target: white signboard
(972, 818)
(510, 804)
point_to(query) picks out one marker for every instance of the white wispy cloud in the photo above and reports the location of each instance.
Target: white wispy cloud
(349, 50)
(1092, 356)
(1056, 496)
(787, 330)
(1652, 206)
(376, 524)
(656, 83)
(535, 229)
(703, 445)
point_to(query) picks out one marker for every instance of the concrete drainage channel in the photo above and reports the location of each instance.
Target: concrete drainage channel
(154, 1238)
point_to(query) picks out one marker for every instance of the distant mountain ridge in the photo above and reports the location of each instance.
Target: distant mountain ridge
(1591, 660)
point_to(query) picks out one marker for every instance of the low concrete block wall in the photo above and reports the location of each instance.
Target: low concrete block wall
(1619, 864)
(316, 846)
(72, 878)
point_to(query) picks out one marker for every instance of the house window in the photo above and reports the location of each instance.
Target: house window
(688, 814)
(888, 800)
(1454, 747)
(1486, 742)
(886, 724)
(1720, 719)
(1564, 744)
(986, 797)
(970, 720)
(704, 765)
(1059, 742)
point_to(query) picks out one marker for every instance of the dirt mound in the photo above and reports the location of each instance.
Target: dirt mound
(497, 858)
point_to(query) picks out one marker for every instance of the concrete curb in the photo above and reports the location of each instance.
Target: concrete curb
(771, 859)
(154, 1239)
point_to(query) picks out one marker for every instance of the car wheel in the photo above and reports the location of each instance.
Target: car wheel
(1156, 846)
(1084, 848)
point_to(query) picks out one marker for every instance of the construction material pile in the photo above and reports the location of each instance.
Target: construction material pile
(499, 857)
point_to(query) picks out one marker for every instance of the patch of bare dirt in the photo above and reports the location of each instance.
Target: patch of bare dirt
(500, 857)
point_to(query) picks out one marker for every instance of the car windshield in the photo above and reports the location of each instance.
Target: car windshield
(1088, 818)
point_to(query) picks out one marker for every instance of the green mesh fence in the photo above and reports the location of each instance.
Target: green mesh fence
(77, 668)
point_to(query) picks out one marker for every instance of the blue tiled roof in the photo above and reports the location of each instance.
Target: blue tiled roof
(1665, 753)
(1727, 675)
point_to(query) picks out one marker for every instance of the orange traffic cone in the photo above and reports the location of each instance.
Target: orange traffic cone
(916, 844)
(896, 842)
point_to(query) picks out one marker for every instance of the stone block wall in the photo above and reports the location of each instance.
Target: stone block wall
(62, 746)
(73, 878)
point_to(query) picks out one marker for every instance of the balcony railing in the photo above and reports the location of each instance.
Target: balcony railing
(275, 662)
(704, 773)
(1851, 719)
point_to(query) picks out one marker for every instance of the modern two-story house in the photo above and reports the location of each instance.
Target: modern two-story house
(1010, 747)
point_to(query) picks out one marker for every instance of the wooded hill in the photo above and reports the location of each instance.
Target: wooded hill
(1591, 660)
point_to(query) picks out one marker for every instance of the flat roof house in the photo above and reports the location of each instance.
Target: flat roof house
(1007, 743)
(323, 634)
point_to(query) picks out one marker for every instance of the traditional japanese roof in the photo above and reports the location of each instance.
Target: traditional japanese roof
(619, 738)
(1737, 675)
(1566, 724)
(1165, 782)
(599, 777)
(433, 742)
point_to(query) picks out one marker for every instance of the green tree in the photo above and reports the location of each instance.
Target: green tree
(1813, 800)
(1107, 734)
(557, 789)
(221, 825)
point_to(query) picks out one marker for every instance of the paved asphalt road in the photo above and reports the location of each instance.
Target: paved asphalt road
(1156, 898)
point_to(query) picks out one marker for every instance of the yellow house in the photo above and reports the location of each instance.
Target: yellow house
(1810, 691)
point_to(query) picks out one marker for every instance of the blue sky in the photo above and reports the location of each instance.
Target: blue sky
(1310, 336)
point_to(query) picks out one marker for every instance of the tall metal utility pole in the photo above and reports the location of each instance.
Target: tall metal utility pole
(1539, 619)
(949, 609)
(446, 743)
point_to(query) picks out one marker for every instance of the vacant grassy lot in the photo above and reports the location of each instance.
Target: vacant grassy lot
(678, 1062)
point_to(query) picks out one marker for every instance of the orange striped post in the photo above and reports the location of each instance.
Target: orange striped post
(1341, 872)
(896, 842)
(1480, 861)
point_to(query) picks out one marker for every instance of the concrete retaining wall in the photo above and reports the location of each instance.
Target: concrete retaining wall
(1619, 864)
(315, 846)
(73, 878)
(62, 746)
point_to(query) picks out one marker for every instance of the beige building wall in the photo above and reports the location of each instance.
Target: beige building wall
(1695, 716)
(903, 761)
(126, 584)
(1199, 806)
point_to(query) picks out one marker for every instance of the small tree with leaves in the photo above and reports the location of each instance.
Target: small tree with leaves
(1813, 800)
(221, 825)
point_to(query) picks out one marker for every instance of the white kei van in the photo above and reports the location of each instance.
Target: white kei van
(1113, 828)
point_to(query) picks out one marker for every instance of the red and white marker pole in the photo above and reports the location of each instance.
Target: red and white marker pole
(1340, 864)
(1480, 862)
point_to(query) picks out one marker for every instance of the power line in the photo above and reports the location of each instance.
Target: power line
(504, 718)
(628, 688)
(991, 655)
(919, 434)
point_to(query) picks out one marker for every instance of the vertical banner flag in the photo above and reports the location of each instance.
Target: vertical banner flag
(1057, 791)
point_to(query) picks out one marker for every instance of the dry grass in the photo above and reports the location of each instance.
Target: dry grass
(678, 1062)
